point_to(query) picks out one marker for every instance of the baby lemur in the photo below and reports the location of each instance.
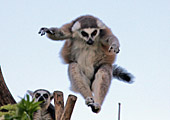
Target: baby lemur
(90, 50)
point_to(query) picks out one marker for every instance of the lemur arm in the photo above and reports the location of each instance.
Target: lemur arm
(113, 44)
(57, 33)
(110, 40)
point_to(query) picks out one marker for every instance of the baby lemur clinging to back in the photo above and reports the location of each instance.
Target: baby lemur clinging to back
(90, 50)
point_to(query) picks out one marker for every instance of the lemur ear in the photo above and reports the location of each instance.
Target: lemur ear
(51, 96)
(100, 24)
(75, 26)
(30, 92)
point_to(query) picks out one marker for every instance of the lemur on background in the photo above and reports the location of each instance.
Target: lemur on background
(90, 49)
(47, 111)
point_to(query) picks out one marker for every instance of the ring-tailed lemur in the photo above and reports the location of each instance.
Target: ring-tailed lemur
(47, 111)
(90, 49)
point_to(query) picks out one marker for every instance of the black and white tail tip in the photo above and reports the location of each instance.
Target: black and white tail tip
(122, 74)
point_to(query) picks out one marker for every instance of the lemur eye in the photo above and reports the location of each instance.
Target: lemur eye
(94, 33)
(37, 95)
(45, 95)
(84, 34)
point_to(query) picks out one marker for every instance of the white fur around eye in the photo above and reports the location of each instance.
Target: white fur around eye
(89, 30)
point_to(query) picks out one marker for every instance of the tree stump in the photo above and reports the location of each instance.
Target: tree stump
(5, 95)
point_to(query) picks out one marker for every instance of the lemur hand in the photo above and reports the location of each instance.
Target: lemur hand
(45, 30)
(113, 44)
(114, 48)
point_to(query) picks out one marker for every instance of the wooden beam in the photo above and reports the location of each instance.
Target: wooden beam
(69, 107)
(5, 95)
(59, 104)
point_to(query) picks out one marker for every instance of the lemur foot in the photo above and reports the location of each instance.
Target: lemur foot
(89, 100)
(114, 48)
(95, 107)
(45, 30)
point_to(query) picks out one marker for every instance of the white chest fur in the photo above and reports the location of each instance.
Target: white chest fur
(86, 55)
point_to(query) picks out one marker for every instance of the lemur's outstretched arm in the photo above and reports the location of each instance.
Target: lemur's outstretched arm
(57, 33)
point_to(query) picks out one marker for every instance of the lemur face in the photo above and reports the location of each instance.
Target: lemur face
(89, 35)
(41, 95)
(88, 28)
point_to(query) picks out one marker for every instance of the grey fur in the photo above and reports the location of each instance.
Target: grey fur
(90, 49)
(47, 111)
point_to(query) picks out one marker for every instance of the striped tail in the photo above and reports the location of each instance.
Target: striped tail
(122, 74)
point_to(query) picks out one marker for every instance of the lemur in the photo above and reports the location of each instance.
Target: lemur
(47, 111)
(90, 49)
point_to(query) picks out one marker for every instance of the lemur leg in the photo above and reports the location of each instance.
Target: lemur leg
(101, 85)
(80, 83)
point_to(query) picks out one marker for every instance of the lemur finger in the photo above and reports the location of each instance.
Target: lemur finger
(95, 107)
(117, 51)
(110, 48)
(42, 31)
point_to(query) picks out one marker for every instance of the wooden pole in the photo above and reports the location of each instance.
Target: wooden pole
(119, 111)
(69, 107)
(5, 95)
(59, 104)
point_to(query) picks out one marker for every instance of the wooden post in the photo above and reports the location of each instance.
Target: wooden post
(69, 107)
(119, 111)
(5, 95)
(59, 104)
(61, 112)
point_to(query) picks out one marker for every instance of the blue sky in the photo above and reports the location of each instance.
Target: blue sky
(29, 61)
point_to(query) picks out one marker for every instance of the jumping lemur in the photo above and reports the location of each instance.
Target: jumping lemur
(90, 50)
(47, 111)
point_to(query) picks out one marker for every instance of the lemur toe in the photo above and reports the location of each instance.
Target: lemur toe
(89, 100)
(95, 107)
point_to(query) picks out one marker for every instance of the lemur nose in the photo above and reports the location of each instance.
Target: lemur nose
(90, 42)
(41, 99)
